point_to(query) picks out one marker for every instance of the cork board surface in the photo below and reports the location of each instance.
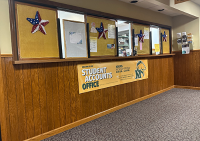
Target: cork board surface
(102, 49)
(146, 44)
(36, 45)
(166, 45)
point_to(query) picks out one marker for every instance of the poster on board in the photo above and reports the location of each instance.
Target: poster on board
(75, 39)
(185, 49)
(96, 76)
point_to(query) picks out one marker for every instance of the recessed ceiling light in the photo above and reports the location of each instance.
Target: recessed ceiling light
(134, 1)
(161, 9)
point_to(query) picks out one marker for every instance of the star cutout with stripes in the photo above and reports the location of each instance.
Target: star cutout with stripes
(38, 23)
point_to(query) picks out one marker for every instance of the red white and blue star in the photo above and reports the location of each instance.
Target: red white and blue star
(38, 23)
(102, 31)
(164, 37)
(141, 37)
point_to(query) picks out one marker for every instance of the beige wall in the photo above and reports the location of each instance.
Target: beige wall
(5, 37)
(187, 7)
(120, 8)
(185, 24)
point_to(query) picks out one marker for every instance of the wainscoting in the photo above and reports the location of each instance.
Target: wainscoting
(43, 97)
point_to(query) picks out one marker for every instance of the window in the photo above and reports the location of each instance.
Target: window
(155, 32)
(69, 16)
(124, 38)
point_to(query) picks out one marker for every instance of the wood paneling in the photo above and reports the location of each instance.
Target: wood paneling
(4, 118)
(187, 69)
(43, 97)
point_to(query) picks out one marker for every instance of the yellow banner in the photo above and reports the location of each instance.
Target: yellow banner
(96, 76)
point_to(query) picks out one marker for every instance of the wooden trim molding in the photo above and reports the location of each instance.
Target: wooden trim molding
(187, 87)
(85, 120)
(6, 55)
(90, 59)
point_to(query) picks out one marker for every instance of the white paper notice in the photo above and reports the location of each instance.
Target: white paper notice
(136, 41)
(146, 33)
(184, 33)
(93, 44)
(111, 31)
(75, 38)
(178, 35)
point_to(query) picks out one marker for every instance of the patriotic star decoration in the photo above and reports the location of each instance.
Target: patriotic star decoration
(141, 37)
(102, 31)
(164, 37)
(38, 24)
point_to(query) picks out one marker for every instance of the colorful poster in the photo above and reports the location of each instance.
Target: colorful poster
(93, 44)
(96, 76)
(186, 49)
(157, 48)
(110, 46)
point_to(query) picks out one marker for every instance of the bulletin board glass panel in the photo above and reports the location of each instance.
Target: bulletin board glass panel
(165, 41)
(124, 38)
(37, 32)
(101, 46)
(65, 15)
(75, 39)
(155, 35)
(142, 48)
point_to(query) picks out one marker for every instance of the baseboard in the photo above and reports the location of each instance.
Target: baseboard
(186, 87)
(85, 120)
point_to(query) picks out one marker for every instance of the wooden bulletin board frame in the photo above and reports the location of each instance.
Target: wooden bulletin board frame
(17, 32)
(65, 37)
(75, 9)
(98, 40)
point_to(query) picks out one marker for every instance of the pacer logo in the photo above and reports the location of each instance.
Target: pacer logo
(140, 68)
(93, 76)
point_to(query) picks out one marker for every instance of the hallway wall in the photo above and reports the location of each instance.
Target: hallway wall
(43, 97)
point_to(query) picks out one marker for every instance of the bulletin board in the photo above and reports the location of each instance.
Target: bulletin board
(166, 45)
(36, 45)
(146, 45)
(102, 49)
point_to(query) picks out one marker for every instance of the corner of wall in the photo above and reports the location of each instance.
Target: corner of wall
(5, 35)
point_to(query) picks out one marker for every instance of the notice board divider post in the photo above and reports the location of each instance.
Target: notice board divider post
(59, 39)
(117, 41)
(88, 39)
(150, 36)
(133, 39)
(161, 46)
